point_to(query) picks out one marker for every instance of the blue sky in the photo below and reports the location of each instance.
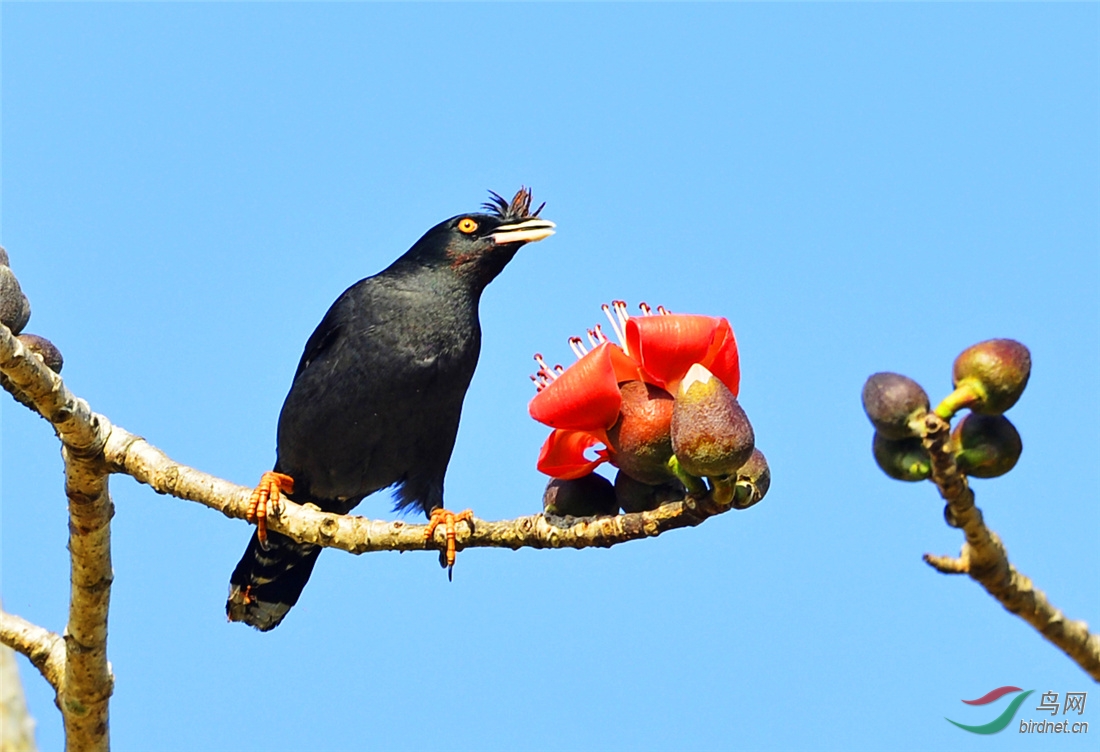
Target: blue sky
(186, 188)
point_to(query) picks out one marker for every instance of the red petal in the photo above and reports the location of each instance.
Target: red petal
(667, 346)
(562, 455)
(723, 360)
(586, 397)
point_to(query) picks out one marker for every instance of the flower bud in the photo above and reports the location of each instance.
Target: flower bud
(989, 445)
(635, 496)
(43, 348)
(711, 434)
(15, 309)
(891, 401)
(753, 480)
(586, 496)
(902, 459)
(640, 440)
(989, 377)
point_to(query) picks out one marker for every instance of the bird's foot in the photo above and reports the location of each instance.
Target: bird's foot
(448, 519)
(265, 501)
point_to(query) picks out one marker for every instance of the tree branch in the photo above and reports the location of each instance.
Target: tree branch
(985, 560)
(43, 648)
(88, 681)
(122, 452)
(87, 684)
(132, 455)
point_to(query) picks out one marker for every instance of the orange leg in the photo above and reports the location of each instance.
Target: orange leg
(448, 520)
(265, 501)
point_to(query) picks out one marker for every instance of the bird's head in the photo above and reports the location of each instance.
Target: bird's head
(478, 246)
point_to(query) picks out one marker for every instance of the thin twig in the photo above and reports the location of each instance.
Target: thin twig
(984, 557)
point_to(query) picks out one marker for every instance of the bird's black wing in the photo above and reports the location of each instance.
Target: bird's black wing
(323, 337)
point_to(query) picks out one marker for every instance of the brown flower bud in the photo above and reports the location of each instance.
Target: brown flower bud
(586, 496)
(891, 401)
(753, 480)
(15, 309)
(711, 434)
(635, 496)
(640, 440)
(45, 349)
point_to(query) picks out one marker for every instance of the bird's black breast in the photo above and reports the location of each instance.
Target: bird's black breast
(378, 393)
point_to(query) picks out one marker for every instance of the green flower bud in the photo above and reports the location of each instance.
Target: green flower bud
(902, 459)
(891, 401)
(43, 348)
(635, 496)
(711, 434)
(989, 377)
(640, 439)
(988, 445)
(586, 496)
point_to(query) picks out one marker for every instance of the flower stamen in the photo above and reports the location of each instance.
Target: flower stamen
(620, 311)
(646, 310)
(596, 337)
(615, 323)
(663, 311)
(546, 375)
(576, 344)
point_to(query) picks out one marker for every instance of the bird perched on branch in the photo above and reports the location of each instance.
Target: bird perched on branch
(376, 399)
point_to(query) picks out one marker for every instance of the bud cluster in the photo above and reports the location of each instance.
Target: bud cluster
(988, 379)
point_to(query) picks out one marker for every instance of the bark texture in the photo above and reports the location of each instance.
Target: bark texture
(984, 559)
(86, 683)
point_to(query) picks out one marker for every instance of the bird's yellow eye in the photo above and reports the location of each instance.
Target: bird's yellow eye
(467, 225)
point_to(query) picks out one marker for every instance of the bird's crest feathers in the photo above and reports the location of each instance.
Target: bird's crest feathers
(518, 208)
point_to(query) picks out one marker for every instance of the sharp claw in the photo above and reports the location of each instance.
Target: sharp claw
(266, 499)
(448, 520)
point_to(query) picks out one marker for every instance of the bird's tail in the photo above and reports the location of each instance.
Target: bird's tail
(267, 582)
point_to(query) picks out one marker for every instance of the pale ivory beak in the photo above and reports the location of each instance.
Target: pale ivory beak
(527, 231)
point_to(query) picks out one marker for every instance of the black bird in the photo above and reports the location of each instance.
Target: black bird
(376, 399)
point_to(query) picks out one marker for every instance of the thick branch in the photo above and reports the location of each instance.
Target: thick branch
(132, 455)
(86, 685)
(123, 452)
(984, 558)
(30, 380)
(90, 437)
(88, 682)
(44, 649)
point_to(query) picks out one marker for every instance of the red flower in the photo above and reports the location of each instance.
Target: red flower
(582, 402)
